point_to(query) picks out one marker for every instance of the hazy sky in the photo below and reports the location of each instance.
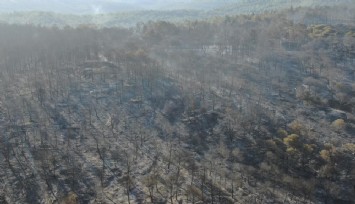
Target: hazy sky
(94, 6)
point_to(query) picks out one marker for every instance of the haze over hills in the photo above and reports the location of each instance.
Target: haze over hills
(110, 13)
(112, 6)
(96, 6)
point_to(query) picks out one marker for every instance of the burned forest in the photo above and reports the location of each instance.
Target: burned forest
(254, 108)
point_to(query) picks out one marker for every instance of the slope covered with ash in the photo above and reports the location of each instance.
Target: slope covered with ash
(251, 108)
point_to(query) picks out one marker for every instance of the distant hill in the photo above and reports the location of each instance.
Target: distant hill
(127, 13)
(109, 6)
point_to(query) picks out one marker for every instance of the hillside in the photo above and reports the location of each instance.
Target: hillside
(109, 14)
(231, 110)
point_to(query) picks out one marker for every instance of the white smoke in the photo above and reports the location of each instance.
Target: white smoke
(96, 9)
